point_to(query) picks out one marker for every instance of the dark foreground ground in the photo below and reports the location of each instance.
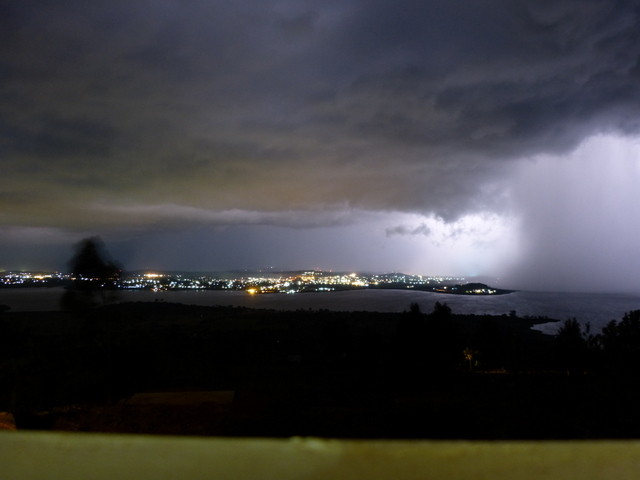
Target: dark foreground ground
(175, 369)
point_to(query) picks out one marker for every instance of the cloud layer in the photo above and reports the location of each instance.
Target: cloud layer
(129, 114)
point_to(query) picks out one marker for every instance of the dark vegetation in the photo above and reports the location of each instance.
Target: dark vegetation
(94, 276)
(321, 373)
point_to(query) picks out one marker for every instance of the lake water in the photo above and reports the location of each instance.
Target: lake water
(597, 309)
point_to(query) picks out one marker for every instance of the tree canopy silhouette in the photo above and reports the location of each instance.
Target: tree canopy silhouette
(571, 346)
(92, 272)
(620, 342)
(90, 266)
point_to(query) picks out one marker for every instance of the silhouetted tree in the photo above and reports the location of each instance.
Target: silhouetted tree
(92, 273)
(90, 266)
(571, 346)
(620, 343)
(443, 339)
(410, 338)
(414, 308)
(441, 311)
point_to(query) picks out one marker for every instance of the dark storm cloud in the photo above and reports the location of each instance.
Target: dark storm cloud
(295, 112)
(377, 105)
(506, 78)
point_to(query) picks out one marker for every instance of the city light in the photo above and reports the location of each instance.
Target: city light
(283, 282)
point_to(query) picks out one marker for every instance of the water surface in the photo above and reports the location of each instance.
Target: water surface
(596, 309)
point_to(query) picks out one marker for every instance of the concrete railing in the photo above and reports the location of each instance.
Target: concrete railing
(70, 456)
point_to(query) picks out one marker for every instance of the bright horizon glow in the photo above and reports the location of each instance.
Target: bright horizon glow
(566, 222)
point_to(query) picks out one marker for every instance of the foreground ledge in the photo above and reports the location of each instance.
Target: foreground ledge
(69, 456)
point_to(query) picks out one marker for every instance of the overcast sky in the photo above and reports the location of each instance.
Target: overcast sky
(462, 137)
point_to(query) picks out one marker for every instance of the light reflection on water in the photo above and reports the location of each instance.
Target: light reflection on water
(596, 309)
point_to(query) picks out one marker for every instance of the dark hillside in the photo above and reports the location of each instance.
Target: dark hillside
(335, 374)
